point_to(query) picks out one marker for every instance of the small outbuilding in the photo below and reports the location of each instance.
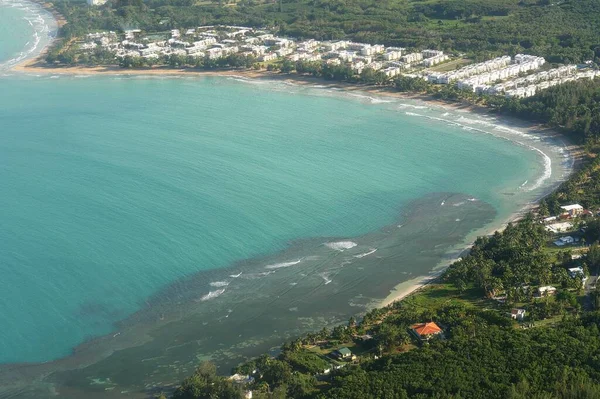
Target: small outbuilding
(517, 314)
(562, 241)
(342, 353)
(546, 290)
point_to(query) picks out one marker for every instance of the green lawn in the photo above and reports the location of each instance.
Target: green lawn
(435, 296)
(450, 65)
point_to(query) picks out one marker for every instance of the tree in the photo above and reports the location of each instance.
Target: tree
(205, 384)
(593, 256)
(287, 66)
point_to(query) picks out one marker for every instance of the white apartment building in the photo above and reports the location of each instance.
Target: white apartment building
(376, 66)
(268, 57)
(437, 59)
(372, 49)
(333, 46)
(392, 55)
(431, 53)
(412, 58)
(390, 72)
(214, 53)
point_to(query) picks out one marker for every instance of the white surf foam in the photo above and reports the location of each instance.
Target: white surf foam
(325, 277)
(341, 245)
(235, 275)
(212, 295)
(372, 251)
(38, 18)
(372, 100)
(283, 264)
(547, 171)
(491, 125)
(219, 284)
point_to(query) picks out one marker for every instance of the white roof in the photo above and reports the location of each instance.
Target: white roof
(576, 269)
(571, 207)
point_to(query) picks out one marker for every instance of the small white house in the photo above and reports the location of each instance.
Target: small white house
(575, 272)
(562, 241)
(517, 314)
(546, 290)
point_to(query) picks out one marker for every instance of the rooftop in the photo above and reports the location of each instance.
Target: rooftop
(344, 351)
(571, 207)
(426, 328)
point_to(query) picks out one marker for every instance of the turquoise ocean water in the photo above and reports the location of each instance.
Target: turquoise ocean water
(115, 188)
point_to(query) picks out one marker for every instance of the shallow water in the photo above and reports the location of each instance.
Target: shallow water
(25, 28)
(183, 219)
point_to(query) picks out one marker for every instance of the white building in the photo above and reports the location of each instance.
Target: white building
(334, 46)
(546, 290)
(214, 53)
(412, 58)
(573, 210)
(372, 50)
(436, 59)
(576, 272)
(431, 53)
(390, 72)
(517, 314)
(376, 66)
(562, 241)
(392, 55)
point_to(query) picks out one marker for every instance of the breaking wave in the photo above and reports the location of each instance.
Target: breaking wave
(366, 253)
(212, 295)
(283, 264)
(341, 245)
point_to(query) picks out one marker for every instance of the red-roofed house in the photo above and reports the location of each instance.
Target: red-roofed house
(426, 331)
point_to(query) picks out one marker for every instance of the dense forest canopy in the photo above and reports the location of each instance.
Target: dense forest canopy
(561, 31)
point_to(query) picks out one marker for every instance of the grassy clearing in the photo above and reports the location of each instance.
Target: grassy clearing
(451, 65)
(436, 296)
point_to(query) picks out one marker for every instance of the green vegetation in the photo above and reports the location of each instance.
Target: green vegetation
(482, 352)
(562, 31)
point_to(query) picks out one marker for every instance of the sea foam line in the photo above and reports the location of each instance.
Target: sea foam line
(372, 251)
(219, 284)
(283, 264)
(212, 294)
(461, 121)
(35, 17)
